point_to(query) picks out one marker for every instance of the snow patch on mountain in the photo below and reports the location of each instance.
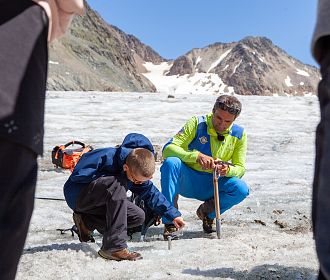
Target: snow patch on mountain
(189, 83)
(288, 81)
(261, 59)
(302, 72)
(216, 63)
(198, 60)
(236, 66)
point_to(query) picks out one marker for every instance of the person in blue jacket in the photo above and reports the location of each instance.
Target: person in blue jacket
(96, 192)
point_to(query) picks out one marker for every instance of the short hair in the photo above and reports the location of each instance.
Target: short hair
(228, 103)
(141, 161)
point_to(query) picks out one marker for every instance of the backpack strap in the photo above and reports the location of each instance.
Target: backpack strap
(73, 142)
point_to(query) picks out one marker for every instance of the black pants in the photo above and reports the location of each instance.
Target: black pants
(18, 173)
(321, 185)
(104, 207)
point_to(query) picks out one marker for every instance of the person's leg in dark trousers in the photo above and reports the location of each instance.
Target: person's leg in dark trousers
(18, 174)
(135, 215)
(95, 218)
(104, 206)
(321, 184)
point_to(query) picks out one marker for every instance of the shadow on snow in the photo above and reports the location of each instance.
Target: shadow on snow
(266, 271)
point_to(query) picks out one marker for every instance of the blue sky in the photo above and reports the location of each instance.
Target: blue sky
(174, 27)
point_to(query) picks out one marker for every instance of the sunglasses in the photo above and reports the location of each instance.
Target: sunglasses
(134, 180)
(229, 109)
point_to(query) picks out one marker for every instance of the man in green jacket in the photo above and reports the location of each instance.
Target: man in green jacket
(204, 143)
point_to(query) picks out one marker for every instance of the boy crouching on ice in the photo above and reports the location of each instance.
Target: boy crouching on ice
(96, 192)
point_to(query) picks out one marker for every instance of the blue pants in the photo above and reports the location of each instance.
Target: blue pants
(179, 179)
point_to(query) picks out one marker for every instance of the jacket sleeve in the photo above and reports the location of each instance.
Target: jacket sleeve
(155, 200)
(238, 158)
(178, 146)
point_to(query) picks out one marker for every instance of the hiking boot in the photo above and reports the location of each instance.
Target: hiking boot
(208, 224)
(84, 233)
(169, 230)
(120, 255)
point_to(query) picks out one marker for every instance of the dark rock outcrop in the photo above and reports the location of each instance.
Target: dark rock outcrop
(94, 55)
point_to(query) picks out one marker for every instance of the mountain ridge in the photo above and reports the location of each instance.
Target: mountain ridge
(97, 56)
(94, 55)
(251, 66)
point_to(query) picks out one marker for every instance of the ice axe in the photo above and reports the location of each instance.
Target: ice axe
(216, 201)
(216, 195)
(173, 236)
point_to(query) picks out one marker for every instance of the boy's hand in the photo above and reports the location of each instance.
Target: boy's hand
(179, 222)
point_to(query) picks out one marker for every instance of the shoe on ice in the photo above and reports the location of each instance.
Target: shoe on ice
(169, 230)
(84, 233)
(120, 255)
(208, 224)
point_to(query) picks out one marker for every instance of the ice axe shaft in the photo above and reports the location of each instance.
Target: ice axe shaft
(216, 201)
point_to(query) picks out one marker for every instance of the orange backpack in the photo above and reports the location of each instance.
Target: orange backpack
(68, 158)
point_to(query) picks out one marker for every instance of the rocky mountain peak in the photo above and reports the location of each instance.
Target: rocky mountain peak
(251, 66)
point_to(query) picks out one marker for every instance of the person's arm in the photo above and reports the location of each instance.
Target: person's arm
(178, 146)
(238, 158)
(155, 200)
(60, 14)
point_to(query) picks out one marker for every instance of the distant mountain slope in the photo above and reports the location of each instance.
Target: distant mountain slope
(252, 66)
(94, 55)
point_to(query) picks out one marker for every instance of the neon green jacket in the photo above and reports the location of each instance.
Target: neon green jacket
(232, 149)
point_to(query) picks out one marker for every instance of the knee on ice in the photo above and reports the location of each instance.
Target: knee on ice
(241, 188)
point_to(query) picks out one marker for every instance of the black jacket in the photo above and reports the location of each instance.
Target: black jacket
(23, 72)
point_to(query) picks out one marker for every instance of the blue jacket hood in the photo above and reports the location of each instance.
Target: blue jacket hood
(132, 141)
